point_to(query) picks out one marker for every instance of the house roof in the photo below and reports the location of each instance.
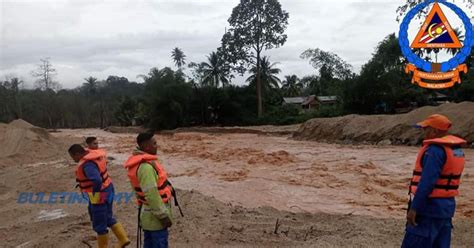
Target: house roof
(327, 98)
(309, 100)
(294, 100)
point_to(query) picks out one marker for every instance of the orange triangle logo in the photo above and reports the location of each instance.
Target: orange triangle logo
(436, 32)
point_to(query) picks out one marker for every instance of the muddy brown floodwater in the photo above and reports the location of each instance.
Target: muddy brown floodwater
(257, 170)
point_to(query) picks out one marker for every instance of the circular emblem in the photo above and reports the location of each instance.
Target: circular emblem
(434, 31)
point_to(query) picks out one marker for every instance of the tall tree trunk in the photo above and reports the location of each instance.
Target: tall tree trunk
(259, 87)
(50, 120)
(101, 114)
(203, 106)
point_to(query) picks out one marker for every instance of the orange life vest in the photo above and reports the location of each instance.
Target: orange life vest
(164, 186)
(448, 182)
(102, 152)
(99, 160)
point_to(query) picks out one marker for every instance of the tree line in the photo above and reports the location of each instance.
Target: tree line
(202, 93)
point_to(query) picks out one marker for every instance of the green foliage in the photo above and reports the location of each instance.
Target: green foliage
(92, 105)
(268, 75)
(10, 104)
(382, 83)
(126, 112)
(409, 4)
(255, 25)
(465, 90)
(328, 64)
(333, 72)
(292, 86)
(91, 85)
(166, 96)
(328, 111)
(178, 57)
(215, 72)
(169, 99)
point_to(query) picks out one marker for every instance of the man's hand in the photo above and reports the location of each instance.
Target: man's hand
(166, 222)
(411, 217)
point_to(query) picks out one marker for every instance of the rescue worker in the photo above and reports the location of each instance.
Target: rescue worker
(93, 145)
(435, 184)
(95, 184)
(153, 191)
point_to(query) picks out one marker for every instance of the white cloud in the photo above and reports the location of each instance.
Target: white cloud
(126, 38)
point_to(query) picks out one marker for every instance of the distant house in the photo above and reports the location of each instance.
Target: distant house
(294, 100)
(311, 102)
(328, 100)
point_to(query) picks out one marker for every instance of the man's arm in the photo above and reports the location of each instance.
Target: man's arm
(92, 173)
(148, 177)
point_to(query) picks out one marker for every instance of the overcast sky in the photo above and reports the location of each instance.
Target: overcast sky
(126, 38)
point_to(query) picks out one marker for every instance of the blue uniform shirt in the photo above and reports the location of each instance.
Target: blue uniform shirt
(92, 173)
(432, 162)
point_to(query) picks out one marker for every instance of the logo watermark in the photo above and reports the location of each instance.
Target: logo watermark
(70, 198)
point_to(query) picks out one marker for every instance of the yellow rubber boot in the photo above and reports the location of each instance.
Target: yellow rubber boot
(121, 235)
(103, 240)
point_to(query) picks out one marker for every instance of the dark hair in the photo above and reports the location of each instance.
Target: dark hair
(143, 137)
(90, 139)
(76, 149)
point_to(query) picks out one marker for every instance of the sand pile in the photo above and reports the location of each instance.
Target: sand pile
(21, 124)
(21, 142)
(388, 129)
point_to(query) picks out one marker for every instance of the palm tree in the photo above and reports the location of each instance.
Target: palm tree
(268, 74)
(311, 84)
(91, 85)
(178, 57)
(215, 71)
(292, 85)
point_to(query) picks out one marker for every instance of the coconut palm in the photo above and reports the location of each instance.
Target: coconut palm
(91, 85)
(178, 57)
(215, 71)
(292, 85)
(268, 74)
